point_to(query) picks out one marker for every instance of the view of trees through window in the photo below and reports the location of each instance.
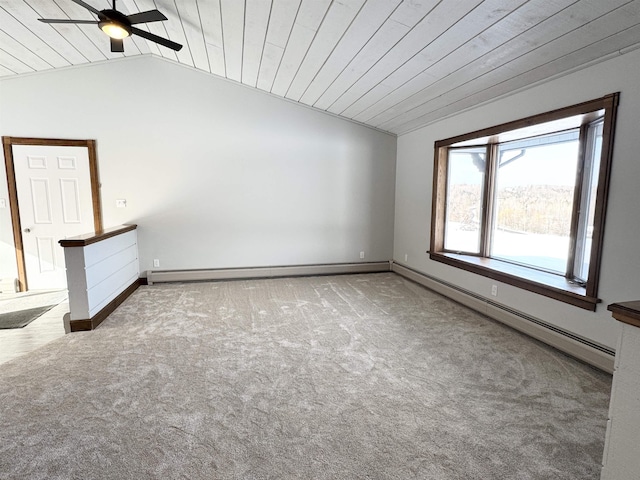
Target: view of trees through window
(524, 202)
(464, 199)
(534, 185)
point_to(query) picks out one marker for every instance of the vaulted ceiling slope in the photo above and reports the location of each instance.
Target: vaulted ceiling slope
(394, 65)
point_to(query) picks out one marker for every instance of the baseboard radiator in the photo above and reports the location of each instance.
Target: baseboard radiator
(159, 276)
(567, 342)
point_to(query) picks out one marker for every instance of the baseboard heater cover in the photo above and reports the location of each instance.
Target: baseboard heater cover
(567, 342)
(160, 276)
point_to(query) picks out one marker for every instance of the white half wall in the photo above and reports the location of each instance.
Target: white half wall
(620, 460)
(99, 272)
(620, 274)
(215, 174)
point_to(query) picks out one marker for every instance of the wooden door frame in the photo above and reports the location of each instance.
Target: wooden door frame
(8, 143)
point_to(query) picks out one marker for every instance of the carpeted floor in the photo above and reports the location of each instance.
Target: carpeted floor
(345, 377)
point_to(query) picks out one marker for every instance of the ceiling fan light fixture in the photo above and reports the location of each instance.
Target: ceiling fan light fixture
(114, 30)
(117, 25)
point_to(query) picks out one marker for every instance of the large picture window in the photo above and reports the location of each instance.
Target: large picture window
(524, 202)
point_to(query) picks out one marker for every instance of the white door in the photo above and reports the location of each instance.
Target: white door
(54, 198)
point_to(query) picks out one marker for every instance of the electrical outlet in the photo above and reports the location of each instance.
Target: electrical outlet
(156, 262)
(121, 203)
(361, 254)
(3, 203)
(494, 290)
(406, 257)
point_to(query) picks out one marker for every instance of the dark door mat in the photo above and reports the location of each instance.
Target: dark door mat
(22, 318)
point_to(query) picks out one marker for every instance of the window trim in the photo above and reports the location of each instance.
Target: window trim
(547, 284)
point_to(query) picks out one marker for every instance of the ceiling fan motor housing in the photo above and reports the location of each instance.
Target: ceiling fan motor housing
(114, 17)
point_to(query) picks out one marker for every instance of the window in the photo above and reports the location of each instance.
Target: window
(524, 202)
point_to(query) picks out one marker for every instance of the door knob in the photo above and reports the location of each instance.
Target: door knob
(27, 230)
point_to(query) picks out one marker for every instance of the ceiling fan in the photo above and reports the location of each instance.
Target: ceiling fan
(118, 25)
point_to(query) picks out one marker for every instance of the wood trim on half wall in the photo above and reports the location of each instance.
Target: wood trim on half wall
(7, 144)
(93, 322)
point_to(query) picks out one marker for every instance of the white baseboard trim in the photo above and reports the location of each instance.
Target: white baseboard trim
(159, 276)
(571, 344)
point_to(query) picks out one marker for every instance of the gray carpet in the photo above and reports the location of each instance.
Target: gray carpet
(346, 377)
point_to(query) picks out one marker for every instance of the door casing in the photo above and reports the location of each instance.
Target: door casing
(7, 143)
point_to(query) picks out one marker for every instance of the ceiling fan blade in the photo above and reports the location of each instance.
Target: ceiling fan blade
(117, 45)
(87, 6)
(53, 20)
(145, 17)
(155, 38)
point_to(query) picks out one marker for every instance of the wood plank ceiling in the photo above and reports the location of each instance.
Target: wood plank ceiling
(391, 64)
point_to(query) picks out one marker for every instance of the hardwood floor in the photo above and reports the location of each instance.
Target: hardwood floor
(19, 341)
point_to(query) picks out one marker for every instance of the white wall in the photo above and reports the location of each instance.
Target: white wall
(621, 460)
(8, 269)
(620, 275)
(214, 173)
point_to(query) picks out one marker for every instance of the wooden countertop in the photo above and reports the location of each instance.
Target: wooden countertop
(89, 238)
(627, 312)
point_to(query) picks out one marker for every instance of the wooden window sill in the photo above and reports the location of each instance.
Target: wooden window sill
(543, 283)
